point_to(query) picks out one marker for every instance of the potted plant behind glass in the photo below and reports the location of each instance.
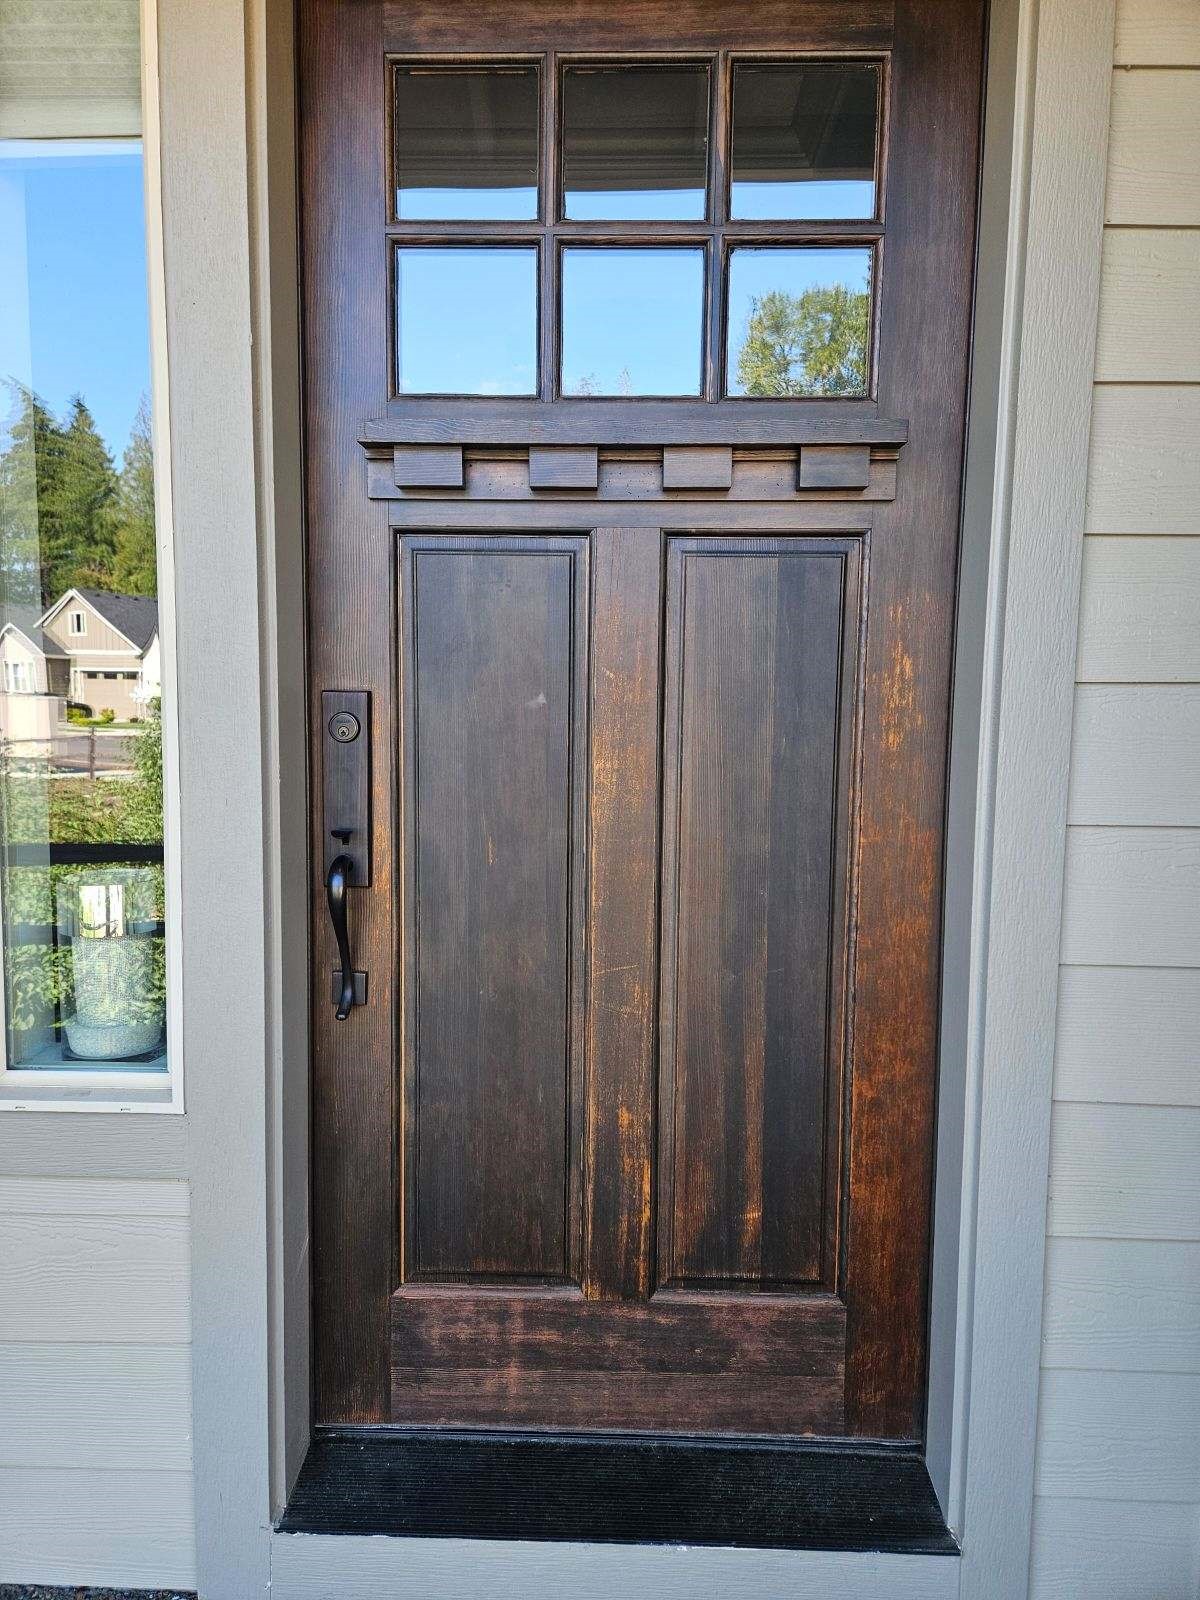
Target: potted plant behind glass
(116, 1011)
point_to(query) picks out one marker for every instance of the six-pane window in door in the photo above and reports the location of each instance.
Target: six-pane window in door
(685, 228)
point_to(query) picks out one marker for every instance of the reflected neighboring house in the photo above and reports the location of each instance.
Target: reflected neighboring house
(35, 681)
(111, 641)
(92, 648)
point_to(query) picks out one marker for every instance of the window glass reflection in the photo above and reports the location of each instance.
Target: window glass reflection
(466, 143)
(635, 142)
(632, 321)
(804, 140)
(81, 777)
(799, 322)
(466, 320)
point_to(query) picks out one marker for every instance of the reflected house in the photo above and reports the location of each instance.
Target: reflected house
(91, 648)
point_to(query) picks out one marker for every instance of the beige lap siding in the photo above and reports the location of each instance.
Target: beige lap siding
(1117, 1515)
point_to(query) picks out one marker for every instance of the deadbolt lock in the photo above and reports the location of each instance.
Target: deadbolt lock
(344, 727)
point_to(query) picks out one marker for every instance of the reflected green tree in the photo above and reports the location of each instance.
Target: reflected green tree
(814, 343)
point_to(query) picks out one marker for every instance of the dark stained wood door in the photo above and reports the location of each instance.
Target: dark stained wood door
(636, 353)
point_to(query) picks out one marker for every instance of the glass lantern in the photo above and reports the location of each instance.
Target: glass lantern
(114, 1008)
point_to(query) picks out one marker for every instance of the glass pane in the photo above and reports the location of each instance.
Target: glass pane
(635, 143)
(799, 322)
(632, 321)
(466, 142)
(81, 783)
(804, 141)
(466, 320)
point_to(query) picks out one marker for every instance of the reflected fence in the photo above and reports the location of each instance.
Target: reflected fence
(87, 753)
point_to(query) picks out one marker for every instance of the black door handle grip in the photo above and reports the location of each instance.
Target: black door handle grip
(338, 877)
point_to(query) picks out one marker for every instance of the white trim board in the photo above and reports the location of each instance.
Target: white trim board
(229, 212)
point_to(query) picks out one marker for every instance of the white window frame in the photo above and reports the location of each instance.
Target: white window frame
(108, 1090)
(74, 617)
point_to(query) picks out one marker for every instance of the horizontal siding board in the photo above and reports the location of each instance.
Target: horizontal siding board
(1103, 1550)
(1143, 466)
(1128, 1035)
(1125, 1172)
(1122, 1305)
(96, 1405)
(105, 1279)
(1126, 1436)
(1139, 610)
(1132, 897)
(1148, 330)
(1157, 33)
(1154, 148)
(93, 1197)
(1135, 755)
(113, 1529)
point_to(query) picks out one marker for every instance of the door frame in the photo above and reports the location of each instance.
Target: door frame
(228, 175)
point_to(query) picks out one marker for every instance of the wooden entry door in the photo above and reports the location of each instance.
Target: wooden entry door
(636, 353)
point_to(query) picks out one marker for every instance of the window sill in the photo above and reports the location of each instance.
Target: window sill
(783, 1495)
(43, 1090)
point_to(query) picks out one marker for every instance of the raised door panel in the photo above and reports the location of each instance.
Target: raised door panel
(493, 691)
(758, 710)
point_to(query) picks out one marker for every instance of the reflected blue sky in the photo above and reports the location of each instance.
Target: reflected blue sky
(73, 314)
(632, 321)
(466, 321)
(813, 199)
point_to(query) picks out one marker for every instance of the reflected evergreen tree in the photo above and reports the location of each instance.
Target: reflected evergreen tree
(135, 569)
(67, 517)
(813, 343)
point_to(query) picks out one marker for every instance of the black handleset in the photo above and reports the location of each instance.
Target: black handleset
(346, 715)
(336, 882)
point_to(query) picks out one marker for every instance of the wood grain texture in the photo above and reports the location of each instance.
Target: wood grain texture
(1125, 1172)
(115, 1279)
(686, 1363)
(435, 466)
(1139, 610)
(756, 736)
(562, 467)
(96, 1407)
(1130, 897)
(797, 1141)
(1122, 1305)
(92, 1197)
(618, 1219)
(594, 25)
(697, 467)
(631, 422)
(75, 1528)
(1157, 33)
(1129, 1035)
(495, 649)
(1128, 1550)
(1122, 1436)
(1154, 149)
(1144, 472)
(1149, 287)
(1135, 755)
(834, 467)
(923, 373)
(353, 1200)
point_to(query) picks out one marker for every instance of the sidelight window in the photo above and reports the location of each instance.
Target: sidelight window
(688, 228)
(87, 893)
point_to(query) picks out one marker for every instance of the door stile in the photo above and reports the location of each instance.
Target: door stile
(622, 921)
